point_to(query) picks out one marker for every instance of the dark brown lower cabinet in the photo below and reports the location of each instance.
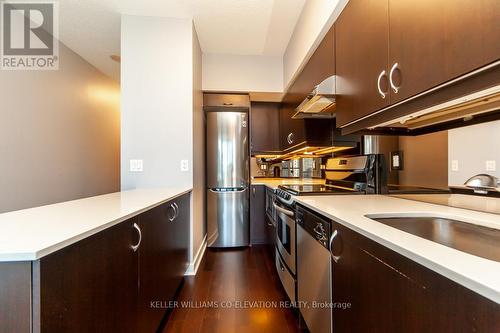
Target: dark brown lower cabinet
(259, 233)
(90, 286)
(388, 292)
(100, 284)
(162, 259)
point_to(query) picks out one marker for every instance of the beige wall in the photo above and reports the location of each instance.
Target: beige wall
(59, 134)
(471, 147)
(246, 73)
(425, 160)
(199, 189)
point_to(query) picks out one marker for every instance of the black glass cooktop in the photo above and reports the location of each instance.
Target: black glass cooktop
(316, 189)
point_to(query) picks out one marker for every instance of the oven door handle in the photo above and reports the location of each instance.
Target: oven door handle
(283, 210)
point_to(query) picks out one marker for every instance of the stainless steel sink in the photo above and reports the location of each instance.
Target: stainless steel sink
(471, 238)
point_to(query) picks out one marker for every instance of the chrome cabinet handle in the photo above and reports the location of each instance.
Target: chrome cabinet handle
(253, 191)
(391, 73)
(174, 208)
(136, 247)
(290, 138)
(381, 75)
(330, 244)
(283, 210)
(226, 103)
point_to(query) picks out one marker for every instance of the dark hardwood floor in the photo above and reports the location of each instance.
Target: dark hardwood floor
(224, 278)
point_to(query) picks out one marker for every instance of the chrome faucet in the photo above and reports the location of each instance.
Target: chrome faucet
(483, 183)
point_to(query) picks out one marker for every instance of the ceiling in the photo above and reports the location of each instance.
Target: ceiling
(91, 28)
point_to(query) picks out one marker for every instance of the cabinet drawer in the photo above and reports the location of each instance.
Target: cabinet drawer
(226, 100)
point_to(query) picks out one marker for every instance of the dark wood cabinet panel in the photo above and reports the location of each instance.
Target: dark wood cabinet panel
(259, 233)
(292, 131)
(264, 127)
(163, 259)
(90, 286)
(320, 66)
(361, 55)
(226, 100)
(15, 297)
(179, 242)
(435, 41)
(390, 293)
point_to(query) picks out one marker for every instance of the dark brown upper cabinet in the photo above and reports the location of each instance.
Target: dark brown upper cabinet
(226, 101)
(361, 59)
(388, 51)
(321, 65)
(432, 42)
(264, 128)
(292, 131)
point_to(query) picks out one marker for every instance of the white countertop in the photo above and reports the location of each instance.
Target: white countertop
(30, 234)
(476, 273)
(275, 182)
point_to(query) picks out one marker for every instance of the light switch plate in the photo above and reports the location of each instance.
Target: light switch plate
(491, 166)
(454, 165)
(136, 166)
(184, 165)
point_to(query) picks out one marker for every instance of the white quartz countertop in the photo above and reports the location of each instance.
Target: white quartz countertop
(275, 182)
(476, 273)
(30, 234)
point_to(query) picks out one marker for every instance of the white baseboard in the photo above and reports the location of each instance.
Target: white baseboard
(193, 267)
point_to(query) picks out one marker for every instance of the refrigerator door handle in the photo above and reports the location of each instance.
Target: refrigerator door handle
(239, 190)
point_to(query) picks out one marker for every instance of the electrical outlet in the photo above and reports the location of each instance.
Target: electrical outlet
(491, 166)
(184, 165)
(136, 166)
(454, 165)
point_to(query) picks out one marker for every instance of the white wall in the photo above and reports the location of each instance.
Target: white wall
(472, 146)
(242, 73)
(316, 19)
(162, 110)
(157, 100)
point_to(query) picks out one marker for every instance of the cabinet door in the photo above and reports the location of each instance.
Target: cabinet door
(179, 240)
(264, 128)
(435, 41)
(154, 270)
(90, 286)
(292, 131)
(226, 100)
(361, 53)
(391, 293)
(258, 222)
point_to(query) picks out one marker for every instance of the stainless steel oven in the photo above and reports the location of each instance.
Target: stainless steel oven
(285, 234)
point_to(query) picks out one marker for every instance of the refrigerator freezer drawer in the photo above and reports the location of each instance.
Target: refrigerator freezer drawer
(228, 218)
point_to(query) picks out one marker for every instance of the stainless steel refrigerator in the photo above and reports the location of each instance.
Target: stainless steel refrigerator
(227, 179)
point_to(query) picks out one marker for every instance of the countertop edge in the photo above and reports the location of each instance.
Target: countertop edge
(479, 288)
(34, 256)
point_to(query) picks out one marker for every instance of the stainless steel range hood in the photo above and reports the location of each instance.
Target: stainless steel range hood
(320, 103)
